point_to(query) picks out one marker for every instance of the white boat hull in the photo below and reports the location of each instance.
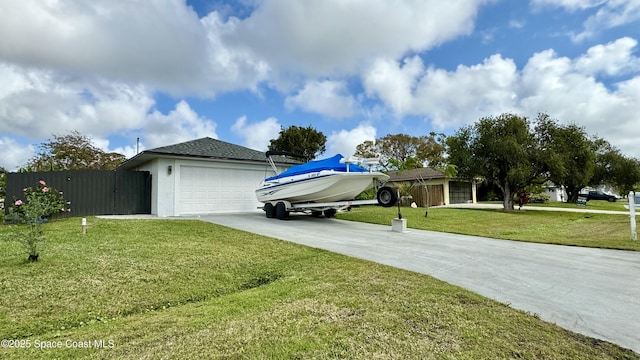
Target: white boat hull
(318, 187)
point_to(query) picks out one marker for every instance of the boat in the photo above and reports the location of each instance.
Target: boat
(321, 181)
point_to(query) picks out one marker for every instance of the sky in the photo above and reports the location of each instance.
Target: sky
(169, 71)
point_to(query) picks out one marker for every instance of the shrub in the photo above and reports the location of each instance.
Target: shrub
(368, 194)
(492, 196)
(539, 198)
(29, 213)
(523, 197)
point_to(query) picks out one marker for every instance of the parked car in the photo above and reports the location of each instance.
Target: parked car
(599, 195)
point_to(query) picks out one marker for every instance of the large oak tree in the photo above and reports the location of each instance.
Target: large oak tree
(614, 168)
(567, 155)
(501, 150)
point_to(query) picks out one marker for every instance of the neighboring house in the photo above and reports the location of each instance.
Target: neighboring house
(558, 192)
(204, 176)
(432, 184)
(555, 192)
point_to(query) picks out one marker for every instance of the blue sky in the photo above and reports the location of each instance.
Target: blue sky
(171, 71)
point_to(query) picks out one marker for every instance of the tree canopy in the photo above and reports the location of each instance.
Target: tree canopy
(72, 152)
(567, 155)
(306, 141)
(506, 152)
(500, 149)
(405, 152)
(612, 167)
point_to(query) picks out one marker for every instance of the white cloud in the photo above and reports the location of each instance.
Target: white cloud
(39, 103)
(614, 58)
(567, 91)
(610, 14)
(181, 124)
(334, 36)
(448, 98)
(128, 151)
(162, 44)
(471, 92)
(125, 40)
(517, 24)
(564, 88)
(257, 135)
(394, 83)
(568, 4)
(328, 98)
(345, 141)
(14, 155)
(613, 14)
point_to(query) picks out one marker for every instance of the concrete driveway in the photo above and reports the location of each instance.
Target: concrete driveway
(595, 292)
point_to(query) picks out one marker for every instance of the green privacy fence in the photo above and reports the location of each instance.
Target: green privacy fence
(90, 192)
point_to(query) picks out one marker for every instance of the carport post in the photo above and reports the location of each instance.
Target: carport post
(632, 214)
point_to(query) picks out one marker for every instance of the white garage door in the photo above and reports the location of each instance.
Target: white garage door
(206, 190)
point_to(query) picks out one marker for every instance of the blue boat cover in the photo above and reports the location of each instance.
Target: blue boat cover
(332, 163)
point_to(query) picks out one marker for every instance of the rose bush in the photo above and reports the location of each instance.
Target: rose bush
(29, 213)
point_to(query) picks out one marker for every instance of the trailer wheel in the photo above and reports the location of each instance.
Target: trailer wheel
(316, 213)
(281, 211)
(269, 210)
(387, 196)
(329, 213)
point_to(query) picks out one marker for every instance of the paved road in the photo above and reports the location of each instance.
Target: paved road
(595, 292)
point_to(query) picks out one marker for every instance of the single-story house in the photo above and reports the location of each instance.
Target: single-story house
(555, 192)
(433, 185)
(204, 176)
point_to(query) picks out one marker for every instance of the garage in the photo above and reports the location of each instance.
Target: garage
(460, 192)
(204, 176)
(207, 190)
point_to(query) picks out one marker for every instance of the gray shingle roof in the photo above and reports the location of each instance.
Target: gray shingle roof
(211, 148)
(415, 174)
(206, 147)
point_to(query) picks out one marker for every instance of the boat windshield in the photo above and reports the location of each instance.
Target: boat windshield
(332, 163)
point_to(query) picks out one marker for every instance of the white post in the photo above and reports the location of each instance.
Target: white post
(84, 226)
(632, 214)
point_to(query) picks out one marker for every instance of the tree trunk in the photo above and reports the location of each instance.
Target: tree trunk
(572, 194)
(507, 196)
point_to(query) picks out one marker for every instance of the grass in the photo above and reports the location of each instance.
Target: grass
(591, 205)
(189, 289)
(563, 228)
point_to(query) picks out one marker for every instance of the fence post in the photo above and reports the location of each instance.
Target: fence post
(632, 214)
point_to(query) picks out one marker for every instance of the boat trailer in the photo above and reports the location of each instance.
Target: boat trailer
(280, 209)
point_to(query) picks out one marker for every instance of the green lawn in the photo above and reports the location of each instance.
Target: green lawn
(591, 205)
(188, 289)
(565, 228)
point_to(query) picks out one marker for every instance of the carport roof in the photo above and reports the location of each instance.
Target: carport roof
(204, 148)
(415, 174)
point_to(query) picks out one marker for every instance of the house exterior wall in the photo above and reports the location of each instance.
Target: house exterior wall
(445, 183)
(556, 193)
(166, 186)
(162, 185)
